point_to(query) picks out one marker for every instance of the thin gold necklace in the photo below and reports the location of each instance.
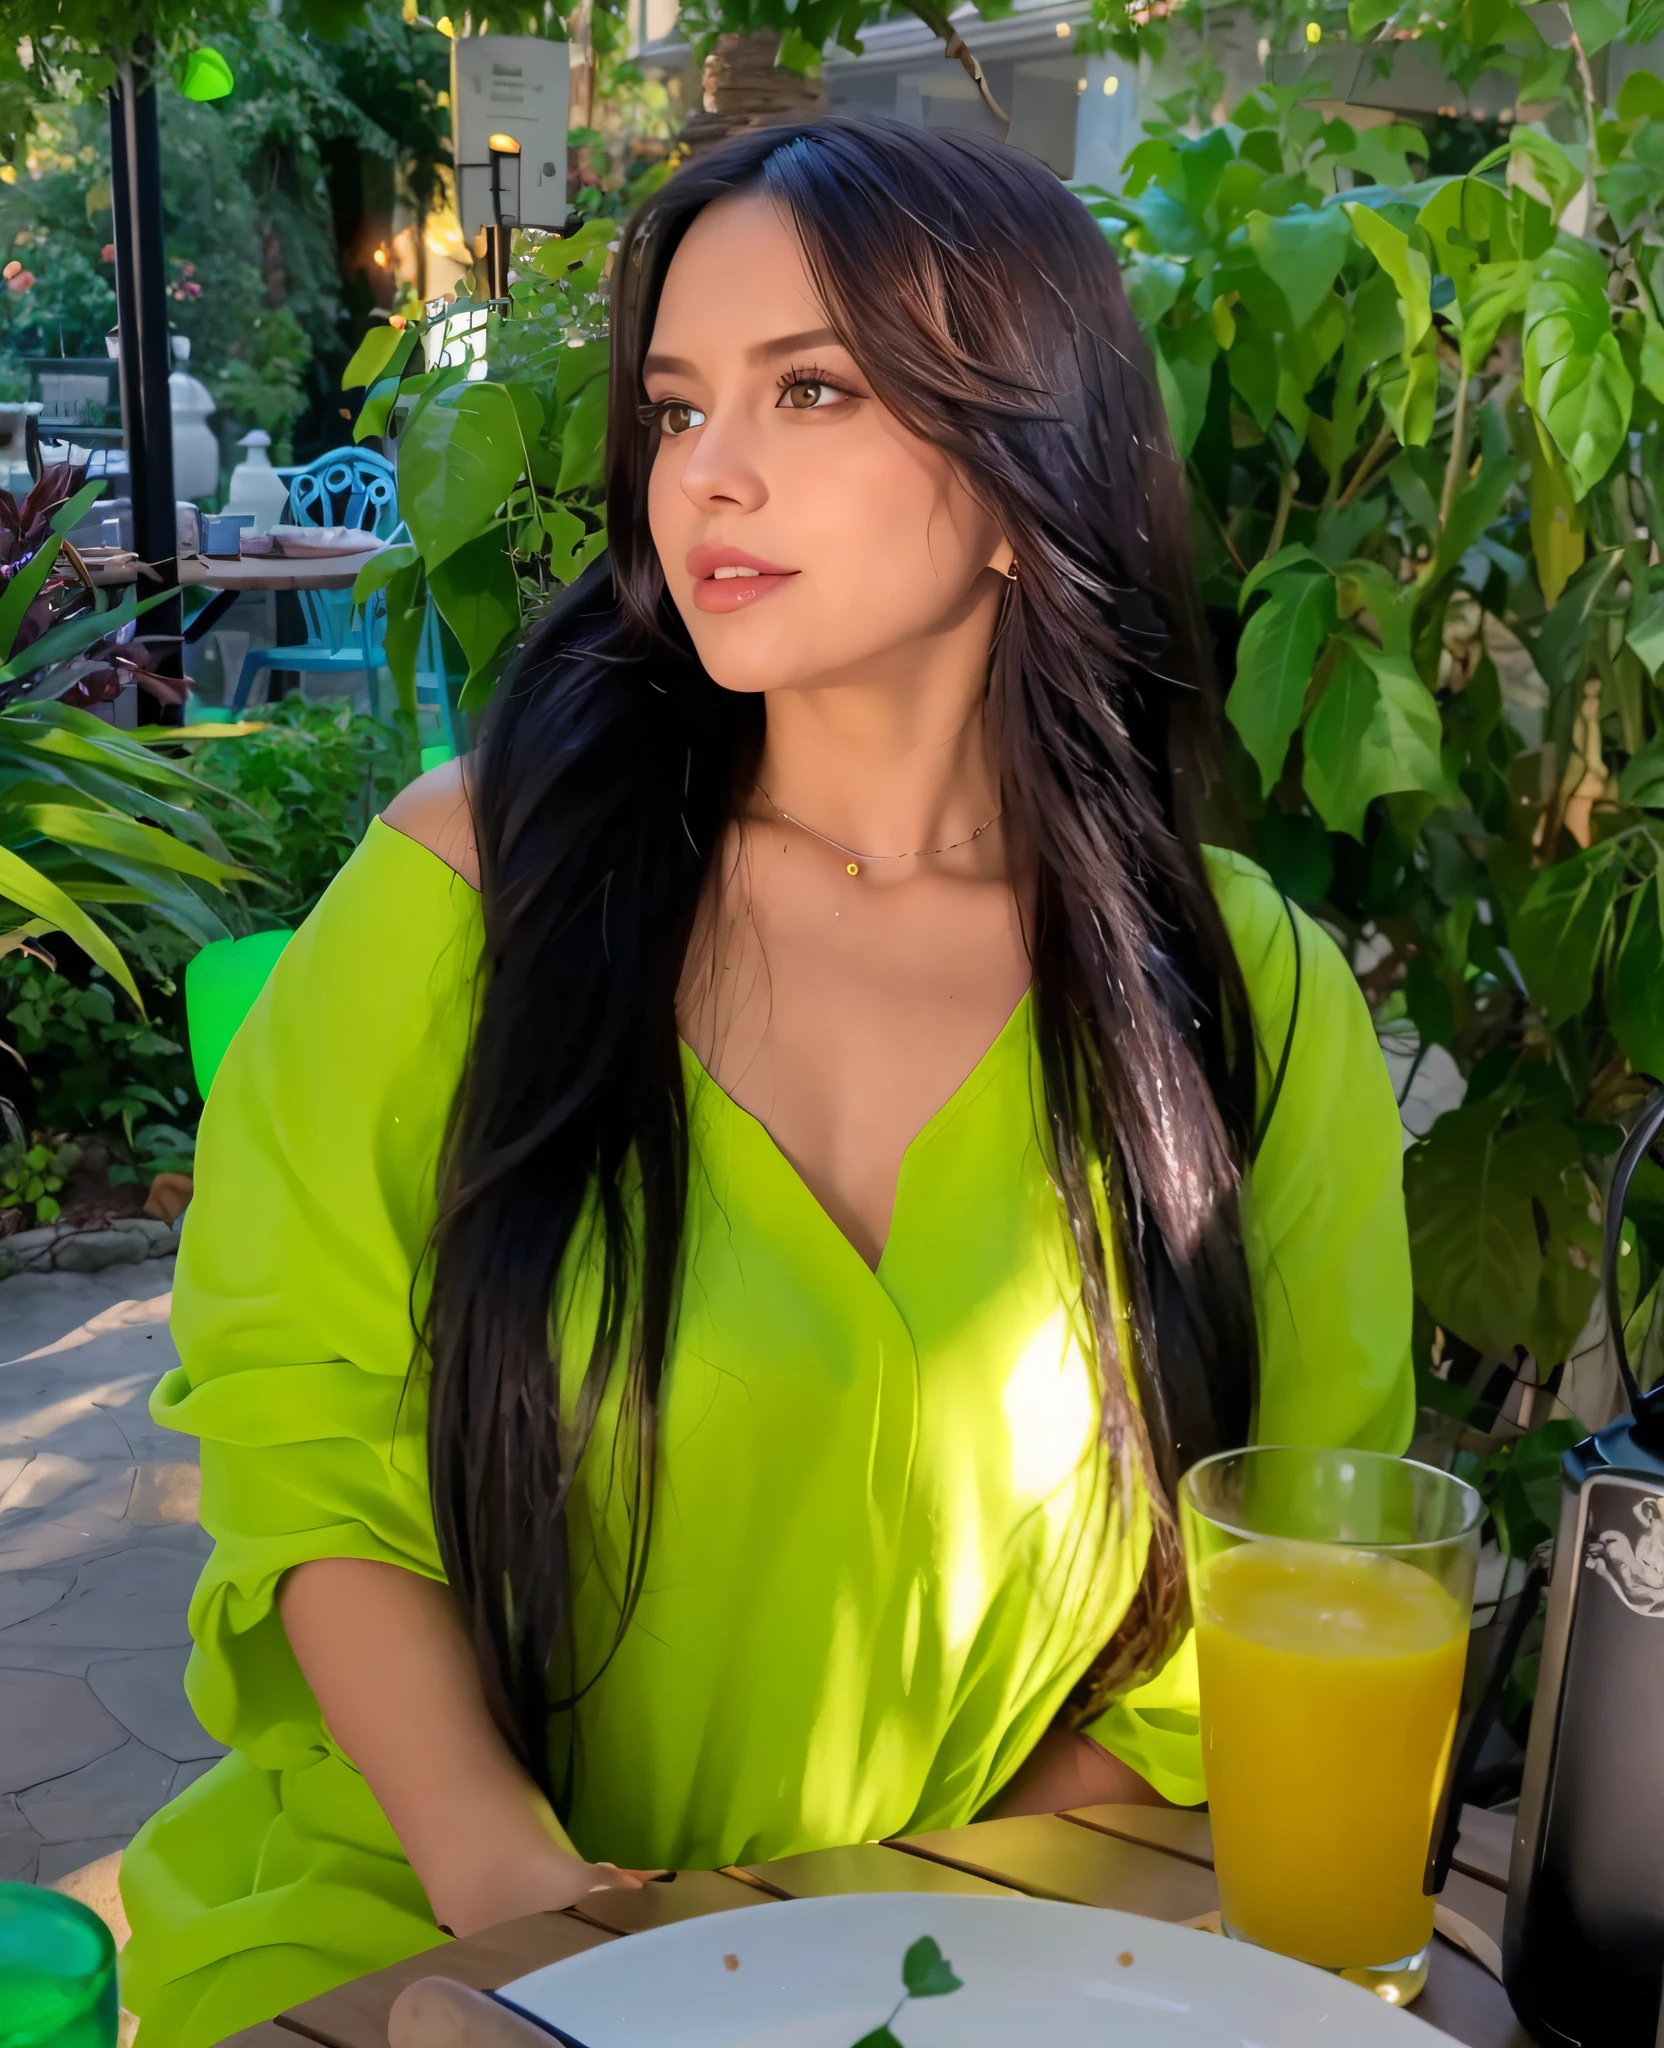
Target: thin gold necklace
(855, 859)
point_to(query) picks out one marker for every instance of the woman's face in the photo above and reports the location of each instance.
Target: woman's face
(806, 536)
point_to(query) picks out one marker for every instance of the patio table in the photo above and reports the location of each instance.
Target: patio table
(229, 576)
(1150, 1860)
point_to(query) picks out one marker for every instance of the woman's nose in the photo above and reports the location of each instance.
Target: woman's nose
(724, 467)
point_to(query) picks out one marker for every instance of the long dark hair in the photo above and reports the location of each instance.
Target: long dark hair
(984, 307)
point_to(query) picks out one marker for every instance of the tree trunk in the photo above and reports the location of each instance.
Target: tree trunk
(745, 88)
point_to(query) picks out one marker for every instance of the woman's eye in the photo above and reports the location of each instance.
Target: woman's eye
(806, 394)
(678, 418)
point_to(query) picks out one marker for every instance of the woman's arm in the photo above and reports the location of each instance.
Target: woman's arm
(391, 1667)
(1065, 1769)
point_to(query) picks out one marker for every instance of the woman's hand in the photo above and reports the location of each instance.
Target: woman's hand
(546, 1883)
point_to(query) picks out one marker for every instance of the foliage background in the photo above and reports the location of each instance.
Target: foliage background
(254, 187)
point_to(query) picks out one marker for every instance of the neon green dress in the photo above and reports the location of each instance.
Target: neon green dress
(882, 1552)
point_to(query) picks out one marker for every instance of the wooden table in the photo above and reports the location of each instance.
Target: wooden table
(1156, 1861)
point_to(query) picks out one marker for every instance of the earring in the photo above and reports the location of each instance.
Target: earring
(1011, 573)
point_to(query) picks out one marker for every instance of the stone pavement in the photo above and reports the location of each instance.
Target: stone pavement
(99, 1551)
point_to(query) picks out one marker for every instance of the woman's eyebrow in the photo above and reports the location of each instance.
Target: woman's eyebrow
(762, 352)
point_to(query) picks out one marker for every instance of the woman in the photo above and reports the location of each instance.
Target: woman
(813, 1039)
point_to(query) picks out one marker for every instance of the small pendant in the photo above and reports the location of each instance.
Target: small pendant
(852, 869)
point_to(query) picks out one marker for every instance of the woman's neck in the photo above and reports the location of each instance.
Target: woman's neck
(885, 764)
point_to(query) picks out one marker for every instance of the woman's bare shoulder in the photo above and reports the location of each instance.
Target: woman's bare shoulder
(435, 811)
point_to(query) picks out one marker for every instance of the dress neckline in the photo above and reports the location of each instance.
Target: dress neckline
(712, 1092)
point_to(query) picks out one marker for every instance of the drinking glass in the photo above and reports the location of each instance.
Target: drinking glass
(57, 1972)
(1332, 1594)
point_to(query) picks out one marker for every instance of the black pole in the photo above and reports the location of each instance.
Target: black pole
(142, 314)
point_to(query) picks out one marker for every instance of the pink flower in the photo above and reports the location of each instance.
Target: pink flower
(108, 253)
(21, 282)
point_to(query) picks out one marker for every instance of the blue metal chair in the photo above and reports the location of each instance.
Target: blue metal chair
(348, 487)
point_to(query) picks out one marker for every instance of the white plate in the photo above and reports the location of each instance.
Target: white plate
(822, 1973)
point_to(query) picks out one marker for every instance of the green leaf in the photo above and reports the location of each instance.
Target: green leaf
(1496, 295)
(1559, 931)
(207, 76)
(797, 54)
(476, 591)
(1476, 505)
(1538, 166)
(926, 1972)
(104, 832)
(73, 510)
(1375, 730)
(23, 589)
(1641, 97)
(406, 616)
(1501, 1242)
(1646, 634)
(75, 636)
(1558, 539)
(1635, 982)
(880, 2037)
(1274, 666)
(373, 354)
(1642, 780)
(1410, 397)
(1408, 268)
(1274, 565)
(380, 569)
(1188, 354)
(584, 438)
(1575, 379)
(1597, 22)
(458, 460)
(1302, 253)
(31, 890)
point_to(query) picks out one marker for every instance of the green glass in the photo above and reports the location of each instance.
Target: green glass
(57, 1972)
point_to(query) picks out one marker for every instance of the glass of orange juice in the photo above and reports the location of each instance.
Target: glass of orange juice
(1332, 1594)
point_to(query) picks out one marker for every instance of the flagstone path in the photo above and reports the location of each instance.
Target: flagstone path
(99, 1550)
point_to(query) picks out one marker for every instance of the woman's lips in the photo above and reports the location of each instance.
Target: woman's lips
(728, 579)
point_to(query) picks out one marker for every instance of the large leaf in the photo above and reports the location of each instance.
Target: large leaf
(75, 636)
(1408, 268)
(23, 589)
(1558, 537)
(374, 353)
(476, 590)
(458, 460)
(1575, 379)
(584, 437)
(1375, 730)
(1275, 661)
(1302, 253)
(407, 604)
(1558, 933)
(31, 890)
(1635, 985)
(1646, 633)
(1502, 1245)
(1496, 295)
(101, 832)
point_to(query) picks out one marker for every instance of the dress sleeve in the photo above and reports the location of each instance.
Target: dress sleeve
(1327, 1248)
(298, 1273)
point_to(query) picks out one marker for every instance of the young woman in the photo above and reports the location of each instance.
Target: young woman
(843, 1142)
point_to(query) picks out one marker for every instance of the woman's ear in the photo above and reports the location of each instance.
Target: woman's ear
(1003, 561)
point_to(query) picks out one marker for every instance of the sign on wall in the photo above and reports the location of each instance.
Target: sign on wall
(510, 85)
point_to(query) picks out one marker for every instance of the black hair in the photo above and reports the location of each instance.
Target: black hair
(979, 299)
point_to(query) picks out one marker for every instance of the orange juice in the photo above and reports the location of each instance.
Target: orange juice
(1331, 1680)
